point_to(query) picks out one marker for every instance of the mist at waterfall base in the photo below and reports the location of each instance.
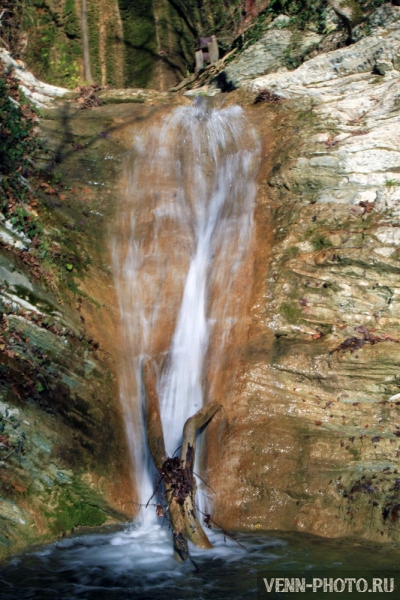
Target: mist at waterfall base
(134, 564)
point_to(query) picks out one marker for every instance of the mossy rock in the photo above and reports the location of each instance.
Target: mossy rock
(349, 11)
(75, 506)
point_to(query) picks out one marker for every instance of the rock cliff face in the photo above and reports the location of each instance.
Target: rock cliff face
(269, 53)
(64, 461)
(309, 440)
(313, 438)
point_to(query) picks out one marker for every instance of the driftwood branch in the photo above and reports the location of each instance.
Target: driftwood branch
(186, 82)
(194, 530)
(204, 74)
(194, 423)
(177, 474)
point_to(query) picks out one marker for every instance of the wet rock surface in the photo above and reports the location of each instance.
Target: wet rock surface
(63, 456)
(309, 440)
(312, 435)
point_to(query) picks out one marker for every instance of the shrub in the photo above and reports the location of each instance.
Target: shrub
(18, 145)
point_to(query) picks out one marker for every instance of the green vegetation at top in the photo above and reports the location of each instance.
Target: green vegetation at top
(302, 14)
(18, 146)
(51, 257)
(146, 43)
(140, 45)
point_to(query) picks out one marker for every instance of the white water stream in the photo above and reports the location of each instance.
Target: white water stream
(180, 264)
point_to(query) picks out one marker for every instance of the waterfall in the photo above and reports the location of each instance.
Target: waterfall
(181, 260)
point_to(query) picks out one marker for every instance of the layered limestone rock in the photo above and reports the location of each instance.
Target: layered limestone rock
(312, 434)
(354, 94)
(349, 11)
(40, 93)
(269, 53)
(64, 461)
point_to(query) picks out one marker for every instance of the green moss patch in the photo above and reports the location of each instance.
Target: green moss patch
(291, 312)
(75, 506)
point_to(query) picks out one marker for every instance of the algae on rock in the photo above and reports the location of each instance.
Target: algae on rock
(63, 456)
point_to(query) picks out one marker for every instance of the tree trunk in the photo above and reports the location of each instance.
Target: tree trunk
(181, 508)
(103, 22)
(194, 530)
(119, 50)
(87, 75)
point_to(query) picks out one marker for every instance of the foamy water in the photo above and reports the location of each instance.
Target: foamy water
(138, 565)
(133, 563)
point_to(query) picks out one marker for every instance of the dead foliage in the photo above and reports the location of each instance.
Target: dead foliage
(357, 119)
(179, 478)
(381, 489)
(391, 512)
(9, 343)
(355, 343)
(330, 142)
(318, 334)
(359, 132)
(30, 261)
(88, 98)
(367, 206)
(18, 147)
(267, 96)
(177, 474)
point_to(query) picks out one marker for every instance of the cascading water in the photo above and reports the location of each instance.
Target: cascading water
(182, 266)
(183, 263)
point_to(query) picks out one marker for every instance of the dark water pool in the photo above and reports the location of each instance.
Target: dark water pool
(132, 564)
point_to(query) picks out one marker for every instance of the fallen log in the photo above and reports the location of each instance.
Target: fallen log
(194, 530)
(203, 75)
(176, 474)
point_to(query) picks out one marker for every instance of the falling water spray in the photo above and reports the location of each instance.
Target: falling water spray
(182, 267)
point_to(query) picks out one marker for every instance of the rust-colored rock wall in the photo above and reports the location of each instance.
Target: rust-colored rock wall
(64, 459)
(309, 440)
